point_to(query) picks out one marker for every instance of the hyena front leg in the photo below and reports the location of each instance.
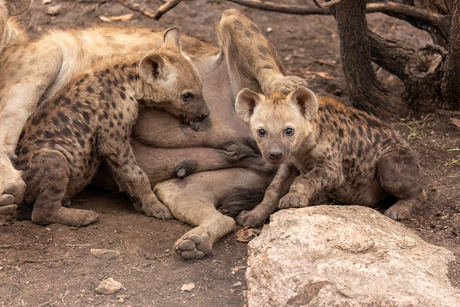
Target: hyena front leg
(277, 188)
(47, 175)
(252, 60)
(308, 184)
(131, 179)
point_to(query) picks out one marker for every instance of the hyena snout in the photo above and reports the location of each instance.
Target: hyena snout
(275, 156)
(198, 112)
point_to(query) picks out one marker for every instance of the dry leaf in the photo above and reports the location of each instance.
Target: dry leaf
(245, 235)
(187, 287)
(455, 121)
(125, 17)
(321, 74)
(237, 268)
(46, 1)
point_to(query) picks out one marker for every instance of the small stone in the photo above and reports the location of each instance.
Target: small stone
(109, 286)
(187, 287)
(104, 253)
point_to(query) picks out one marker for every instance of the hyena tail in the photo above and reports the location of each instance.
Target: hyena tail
(245, 199)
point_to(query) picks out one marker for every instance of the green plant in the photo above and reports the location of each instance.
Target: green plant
(415, 130)
(454, 160)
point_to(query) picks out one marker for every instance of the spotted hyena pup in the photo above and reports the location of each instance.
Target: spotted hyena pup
(321, 145)
(89, 122)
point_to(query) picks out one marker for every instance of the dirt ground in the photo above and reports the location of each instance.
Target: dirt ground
(55, 265)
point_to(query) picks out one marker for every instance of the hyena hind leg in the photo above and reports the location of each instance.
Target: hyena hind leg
(399, 174)
(47, 182)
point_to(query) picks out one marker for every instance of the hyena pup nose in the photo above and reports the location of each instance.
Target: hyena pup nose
(275, 154)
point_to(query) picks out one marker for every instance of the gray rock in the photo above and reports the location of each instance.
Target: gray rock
(345, 256)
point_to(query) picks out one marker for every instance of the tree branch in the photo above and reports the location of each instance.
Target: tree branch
(282, 8)
(169, 5)
(436, 24)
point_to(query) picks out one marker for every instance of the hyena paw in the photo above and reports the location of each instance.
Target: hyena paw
(12, 189)
(65, 216)
(293, 200)
(194, 246)
(156, 209)
(399, 211)
(287, 84)
(250, 218)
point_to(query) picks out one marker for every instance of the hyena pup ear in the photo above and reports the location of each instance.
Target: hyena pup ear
(246, 101)
(151, 67)
(306, 101)
(171, 37)
(17, 7)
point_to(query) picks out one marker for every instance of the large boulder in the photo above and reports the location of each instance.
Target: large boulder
(345, 256)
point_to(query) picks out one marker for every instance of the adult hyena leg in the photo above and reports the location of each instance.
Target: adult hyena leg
(399, 173)
(47, 178)
(166, 163)
(23, 84)
(193, 200)
(251, 58)
(120, 162)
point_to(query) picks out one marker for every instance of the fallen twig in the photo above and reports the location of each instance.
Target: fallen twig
(169, 5)
(137, 8)
(326, 4)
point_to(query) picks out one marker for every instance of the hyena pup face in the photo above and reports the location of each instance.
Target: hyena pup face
(172, 82)
(280, 128)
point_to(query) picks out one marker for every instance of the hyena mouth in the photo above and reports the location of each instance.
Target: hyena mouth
(195, 122)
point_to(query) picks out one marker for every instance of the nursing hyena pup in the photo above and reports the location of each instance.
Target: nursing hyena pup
(321, 145)
(89, 122)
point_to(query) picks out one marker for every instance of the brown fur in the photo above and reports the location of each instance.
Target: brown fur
(90, 121)
(323, 146)
(178, 148)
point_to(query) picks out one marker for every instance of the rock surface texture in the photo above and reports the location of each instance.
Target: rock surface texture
(345, 256)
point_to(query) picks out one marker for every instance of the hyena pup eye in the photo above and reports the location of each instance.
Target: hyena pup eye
(289, 131)
(261, 132)
(187, 96)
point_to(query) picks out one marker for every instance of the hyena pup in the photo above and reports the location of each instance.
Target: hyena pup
(89, 122)
(321, 145)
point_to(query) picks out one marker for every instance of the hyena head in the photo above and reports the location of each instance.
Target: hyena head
(279, 122)
(172, 81)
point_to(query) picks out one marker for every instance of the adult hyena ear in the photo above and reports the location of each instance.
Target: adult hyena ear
(171, 37)
(16, 7)
(246, 102)
(151, 67)
(306, 101)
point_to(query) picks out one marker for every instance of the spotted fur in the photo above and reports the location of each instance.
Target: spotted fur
(323, 146)
(89, 122)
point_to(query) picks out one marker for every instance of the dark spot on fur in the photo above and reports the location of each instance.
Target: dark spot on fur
(236, 24)
(66, 132)
(49, 135)
(90, 89)
(122, 95)
(263, 49)
(268, 67)
(86, 116)
(341, 132)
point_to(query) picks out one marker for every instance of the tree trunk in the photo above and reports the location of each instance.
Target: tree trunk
(451, 80)
(365, 90)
